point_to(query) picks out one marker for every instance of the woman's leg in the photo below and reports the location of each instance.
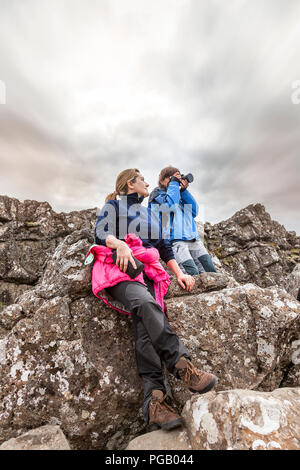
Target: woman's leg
(148, 363)
(154, 339)
(136, 298)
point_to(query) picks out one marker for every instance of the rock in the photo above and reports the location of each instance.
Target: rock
(9, 292)
(244, 420)
(29, 233)
(292, 377)
(161, 440)
(254, 248)
(67, 359)
(292, 284)
(10, 315)
(88, 386)
(43, 438)
(72, 361)
(65, 272)
(204, 282)
(70, 358)
(292, 374)
(244, 335)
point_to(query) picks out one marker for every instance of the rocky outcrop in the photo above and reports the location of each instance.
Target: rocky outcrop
(43, 438)
(242, 334)
(67, 360)
(70, 358)
(292, 374)
(29, 233)
(233, 420)
(254, 248)
(292, 283)
(211, 282)
(250, 245)
(244, 420)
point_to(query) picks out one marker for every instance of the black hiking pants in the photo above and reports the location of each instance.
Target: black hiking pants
(154, 340)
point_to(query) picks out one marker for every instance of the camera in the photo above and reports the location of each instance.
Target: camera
(189, 177)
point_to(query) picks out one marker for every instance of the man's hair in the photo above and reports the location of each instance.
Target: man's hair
(166, 173)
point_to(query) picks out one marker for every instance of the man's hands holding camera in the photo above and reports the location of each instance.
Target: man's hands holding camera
(183, 182)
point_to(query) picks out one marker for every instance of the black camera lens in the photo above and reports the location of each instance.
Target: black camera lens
(189, 177)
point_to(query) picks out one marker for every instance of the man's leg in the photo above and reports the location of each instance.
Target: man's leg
(201, 256)
(184, 258)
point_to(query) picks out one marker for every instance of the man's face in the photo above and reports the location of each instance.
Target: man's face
(165, 182)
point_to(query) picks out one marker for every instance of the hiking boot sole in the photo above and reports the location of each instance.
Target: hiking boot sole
(167, 426)
(207, 388)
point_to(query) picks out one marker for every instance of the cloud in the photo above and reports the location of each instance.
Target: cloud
(95, 87)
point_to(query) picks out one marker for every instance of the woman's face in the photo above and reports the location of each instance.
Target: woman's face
(139, 186)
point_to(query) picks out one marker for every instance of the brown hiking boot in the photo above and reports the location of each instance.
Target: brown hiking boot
(161, 415)
(197, 380)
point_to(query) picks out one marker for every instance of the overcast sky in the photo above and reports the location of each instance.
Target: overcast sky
(97, 86)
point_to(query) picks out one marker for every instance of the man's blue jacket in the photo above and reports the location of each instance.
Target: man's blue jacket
(180, 209)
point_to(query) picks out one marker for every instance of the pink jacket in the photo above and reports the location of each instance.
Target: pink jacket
(107, 274)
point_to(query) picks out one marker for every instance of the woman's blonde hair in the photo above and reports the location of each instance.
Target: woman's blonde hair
(121, 183)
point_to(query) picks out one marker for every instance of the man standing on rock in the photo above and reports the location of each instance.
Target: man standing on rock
(176, 209)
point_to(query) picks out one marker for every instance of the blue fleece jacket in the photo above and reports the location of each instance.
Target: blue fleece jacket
(119, 217)
(182, 209)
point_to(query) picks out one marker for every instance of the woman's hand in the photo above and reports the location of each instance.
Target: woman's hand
(185, 281)
(124, 256)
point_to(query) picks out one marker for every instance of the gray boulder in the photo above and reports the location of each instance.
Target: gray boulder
(244, 420)
(44, 438)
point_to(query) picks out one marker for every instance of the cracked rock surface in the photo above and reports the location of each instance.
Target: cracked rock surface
(67, 360)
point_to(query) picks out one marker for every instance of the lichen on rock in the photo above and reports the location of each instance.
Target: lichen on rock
(67, 359)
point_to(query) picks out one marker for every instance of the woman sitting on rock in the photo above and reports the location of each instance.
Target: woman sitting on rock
(128, 227)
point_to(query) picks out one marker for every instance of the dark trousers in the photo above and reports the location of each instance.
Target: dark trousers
(154, 340)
